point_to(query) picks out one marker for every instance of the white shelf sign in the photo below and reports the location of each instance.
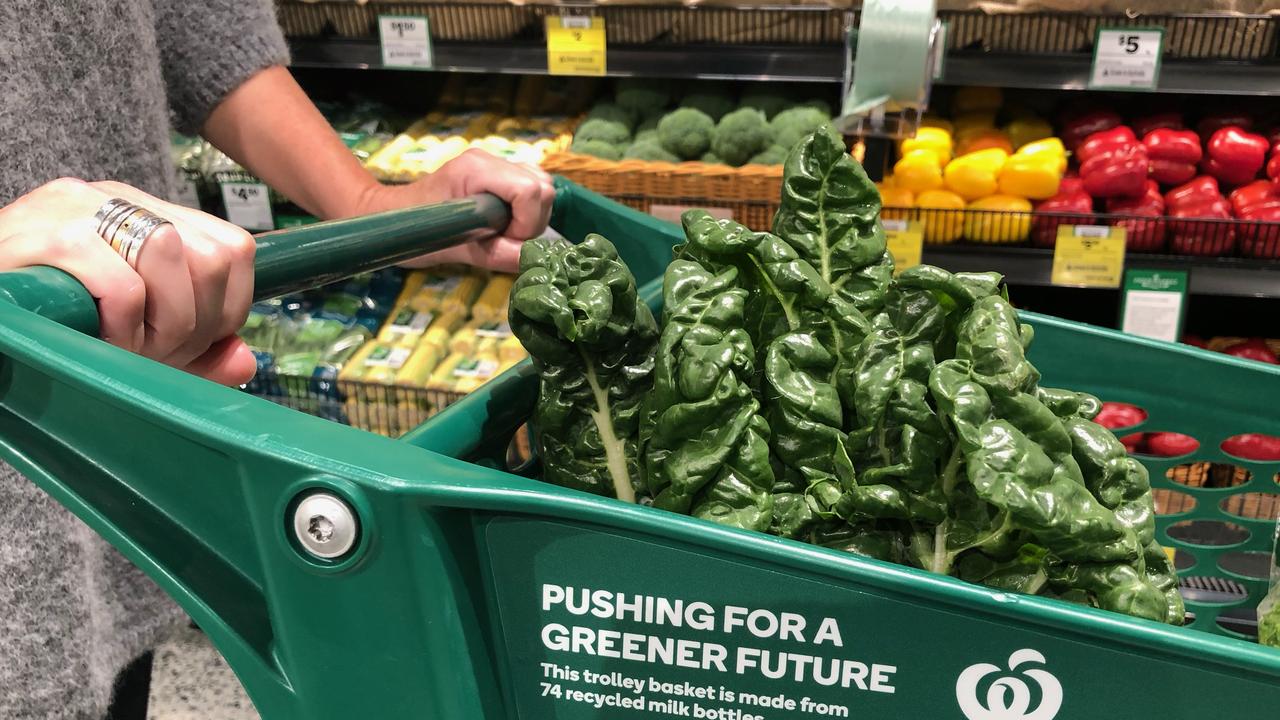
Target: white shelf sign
(406, 41)
(248, 205)
(1127, 59)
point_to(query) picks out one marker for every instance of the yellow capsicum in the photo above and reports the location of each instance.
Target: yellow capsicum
(1030, 176)
(1047, 147)
(1028, 129)
(893, 199)
(943, 214)
(935, 140)
(974, 176)
(934, 121)
(998, 219)
(917, 171)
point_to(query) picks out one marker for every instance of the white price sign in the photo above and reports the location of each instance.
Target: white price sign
(406, 41)
(1127, 58)
(186, 192)
(248, 205)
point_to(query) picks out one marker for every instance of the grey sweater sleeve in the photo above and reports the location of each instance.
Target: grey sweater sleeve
(208, 48)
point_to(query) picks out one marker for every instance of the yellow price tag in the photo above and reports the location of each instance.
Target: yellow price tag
(575, 45)
(1088, 256)
(906, 242)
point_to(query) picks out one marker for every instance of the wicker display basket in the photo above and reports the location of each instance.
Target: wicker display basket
(750, 193)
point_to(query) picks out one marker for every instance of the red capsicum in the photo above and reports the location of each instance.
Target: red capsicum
(1258, 203)
(1253, 349)
(1199, 199)
(1195, 340)
(1253, 446)
(1235, 156)
(1273, 165)
(1076, 129)
(1173, 155)
(1104, 141)
(1213, 123)
(1143, 126)
(1117, 415)
(1115, 170)
(1170, 444)
(1256, 192)
(1144, 231)
(1072, 199)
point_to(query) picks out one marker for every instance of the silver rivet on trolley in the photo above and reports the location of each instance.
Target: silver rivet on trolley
(325, 526)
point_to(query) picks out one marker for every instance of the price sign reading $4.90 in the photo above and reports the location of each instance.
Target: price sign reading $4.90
(1127, 59)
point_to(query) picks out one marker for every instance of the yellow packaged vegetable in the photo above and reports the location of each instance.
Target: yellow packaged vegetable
(462, 294)
(405, 326)
(934, 121)
(480, 336)
(1031, 176)
(974, 176)
(493, 300)
(442, 328)
(464, 372)
(998, 219)
(418, 368)
(942, 214)
(935, 140)
(918, 171)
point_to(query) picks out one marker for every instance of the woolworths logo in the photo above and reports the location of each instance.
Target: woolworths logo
(987, 692)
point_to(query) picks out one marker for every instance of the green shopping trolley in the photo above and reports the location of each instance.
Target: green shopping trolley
(343, 574)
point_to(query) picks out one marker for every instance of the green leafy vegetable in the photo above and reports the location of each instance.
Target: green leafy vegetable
(705, 444)
(575, 309)
(799, 387)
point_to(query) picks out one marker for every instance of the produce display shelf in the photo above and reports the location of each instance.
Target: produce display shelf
(814, 63)
(708, 62)
(1230, 277)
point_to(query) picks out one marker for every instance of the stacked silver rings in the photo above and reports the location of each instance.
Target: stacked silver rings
(126, 227)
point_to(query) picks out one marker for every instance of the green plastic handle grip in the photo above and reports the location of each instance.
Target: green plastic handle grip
(293, 259)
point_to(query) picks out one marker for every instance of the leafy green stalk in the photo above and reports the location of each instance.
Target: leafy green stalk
(704, 443)
(575, 309)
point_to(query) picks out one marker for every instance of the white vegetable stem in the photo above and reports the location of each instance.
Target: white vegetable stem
(615, 458)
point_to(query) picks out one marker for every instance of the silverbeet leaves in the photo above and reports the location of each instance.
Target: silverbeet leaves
(575, 309)
(797, 387)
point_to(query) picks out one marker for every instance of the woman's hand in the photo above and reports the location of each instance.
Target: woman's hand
(189, 295)
(527, 189)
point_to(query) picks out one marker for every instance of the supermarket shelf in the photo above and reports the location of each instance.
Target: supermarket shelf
(710, 62)
(1231, 277)
(1071, 72)
(797, 63)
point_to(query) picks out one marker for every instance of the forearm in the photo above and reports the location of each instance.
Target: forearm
(271, 127)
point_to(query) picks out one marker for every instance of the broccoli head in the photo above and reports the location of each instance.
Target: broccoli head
(614, 133)
(793, 125)
(596, 148)
(711, 159)
(642, 97)
(822, 105)
(740, 135)
(646, 136)
(773, 155)
(769, 103)
(714, 104)
(649, 150)
(686, 132)
(613, 113)
(649, 123)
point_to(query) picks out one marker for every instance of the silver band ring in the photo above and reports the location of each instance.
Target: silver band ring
(126, 227)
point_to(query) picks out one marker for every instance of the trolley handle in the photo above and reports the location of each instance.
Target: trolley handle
(293, 259)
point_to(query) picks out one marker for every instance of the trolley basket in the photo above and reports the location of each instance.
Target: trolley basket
(459, 589)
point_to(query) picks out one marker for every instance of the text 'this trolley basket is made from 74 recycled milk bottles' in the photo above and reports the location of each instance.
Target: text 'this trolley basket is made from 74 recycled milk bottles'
(466, 591)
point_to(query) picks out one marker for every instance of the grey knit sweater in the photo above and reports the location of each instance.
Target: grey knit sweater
(91, 89)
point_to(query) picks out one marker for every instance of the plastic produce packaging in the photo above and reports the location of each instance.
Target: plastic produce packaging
(1269, 610)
